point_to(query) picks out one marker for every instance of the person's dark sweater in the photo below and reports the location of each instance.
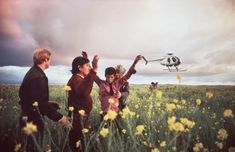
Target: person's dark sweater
(34, 88)
(124, 94)
(79, 96)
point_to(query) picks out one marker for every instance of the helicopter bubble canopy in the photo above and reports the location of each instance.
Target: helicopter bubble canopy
(169, 61)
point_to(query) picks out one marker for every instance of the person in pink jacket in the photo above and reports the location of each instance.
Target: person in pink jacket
(109, 88)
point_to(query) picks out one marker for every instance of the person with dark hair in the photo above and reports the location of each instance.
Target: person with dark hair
(124, 90)
(109, 89)
(153, 86)
(34, 98)
(79, 97)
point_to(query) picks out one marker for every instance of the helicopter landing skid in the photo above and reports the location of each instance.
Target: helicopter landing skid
(175, 70)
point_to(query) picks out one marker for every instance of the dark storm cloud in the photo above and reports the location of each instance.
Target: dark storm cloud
(200, 32)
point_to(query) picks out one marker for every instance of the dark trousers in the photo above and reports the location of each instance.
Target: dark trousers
(29, 143)
(122, 104)
(76, 135)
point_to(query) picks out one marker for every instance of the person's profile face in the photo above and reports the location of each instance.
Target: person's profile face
(47, 63)
(118, 76)
(85, 69)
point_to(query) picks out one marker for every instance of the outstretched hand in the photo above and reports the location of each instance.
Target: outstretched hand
(95, 62)
(137, 59)
(65, 122)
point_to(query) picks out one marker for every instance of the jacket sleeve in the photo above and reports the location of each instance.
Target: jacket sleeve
(125, 92)
(98, 81)
(124, 79)
(84, 87)
(39, 93)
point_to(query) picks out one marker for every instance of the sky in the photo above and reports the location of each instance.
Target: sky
(201, 33)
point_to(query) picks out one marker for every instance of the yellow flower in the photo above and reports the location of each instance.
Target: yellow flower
(178, 76)
(104, 132)
(178, 127)
(209, 94)
(136, 106)
(71, 109)
(186, 122)
(17, 147)
(175, 100)
(67, 88)
(158, 94)
(124, 131)
(183, 102)
(132, 113)
(82, 112)
(219, 145)
(170, 107)
(155, 150)
(30, 128)
(111, 115)
(198, 101)
(175, 126)
(35, 104)
(158, 105)
(85, 130)
(139, 129)
(171, 120)
(78, 143)
(126, 112)
(228, 113)
(197, 147)
(163, 144)
(222, 134)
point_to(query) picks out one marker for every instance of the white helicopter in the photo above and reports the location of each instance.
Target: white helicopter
(169, 61)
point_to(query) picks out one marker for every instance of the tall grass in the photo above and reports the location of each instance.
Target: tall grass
(147, 109)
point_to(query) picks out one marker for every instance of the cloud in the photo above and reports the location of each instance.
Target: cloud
(61, 74)
(9, 27)
(200, 32)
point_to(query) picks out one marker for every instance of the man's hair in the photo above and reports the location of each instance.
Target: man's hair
(40, 55)
(110, 71)
(78, 61)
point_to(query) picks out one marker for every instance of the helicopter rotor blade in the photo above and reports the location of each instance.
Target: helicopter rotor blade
(156, 60)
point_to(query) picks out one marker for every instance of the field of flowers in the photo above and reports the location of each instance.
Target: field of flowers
(172, 118)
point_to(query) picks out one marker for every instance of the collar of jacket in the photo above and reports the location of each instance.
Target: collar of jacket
(39, 70)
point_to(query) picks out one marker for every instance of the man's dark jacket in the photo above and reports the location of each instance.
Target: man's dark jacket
(35, 88)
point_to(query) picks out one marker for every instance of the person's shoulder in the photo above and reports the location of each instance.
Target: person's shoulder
(34, 73)
(75, 79)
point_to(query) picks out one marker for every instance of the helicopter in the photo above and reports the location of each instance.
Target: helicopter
(169, 61)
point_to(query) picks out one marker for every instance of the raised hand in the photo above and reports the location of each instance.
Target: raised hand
(65, 122)
(137, 59)
(95, 62)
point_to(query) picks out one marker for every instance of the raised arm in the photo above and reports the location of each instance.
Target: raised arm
(84, 87)
(98, 81)
(131, 71)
